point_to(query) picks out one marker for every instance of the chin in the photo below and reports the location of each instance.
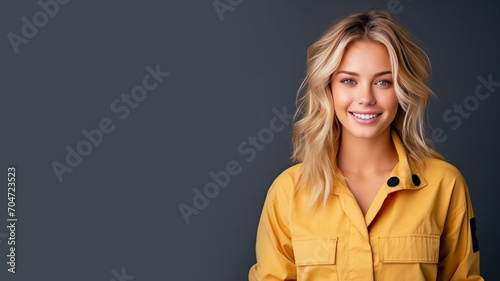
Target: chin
(366, 133)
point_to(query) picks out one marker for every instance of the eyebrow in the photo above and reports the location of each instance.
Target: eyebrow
(357, 74)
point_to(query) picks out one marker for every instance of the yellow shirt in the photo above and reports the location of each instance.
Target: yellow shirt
(420, 226)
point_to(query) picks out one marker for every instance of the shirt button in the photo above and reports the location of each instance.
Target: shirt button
(415, 179)
(393, 181)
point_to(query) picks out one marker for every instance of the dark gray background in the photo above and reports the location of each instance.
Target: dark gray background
(119, 208)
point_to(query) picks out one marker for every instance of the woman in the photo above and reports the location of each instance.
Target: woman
(369, 199)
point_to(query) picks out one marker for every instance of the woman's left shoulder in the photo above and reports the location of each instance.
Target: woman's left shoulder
(442, 170)
(447, 180)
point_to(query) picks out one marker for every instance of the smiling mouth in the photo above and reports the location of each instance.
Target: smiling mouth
(365, 116)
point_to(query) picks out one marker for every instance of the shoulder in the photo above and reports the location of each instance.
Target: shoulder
(284, 184)
(448, 179)
(442, 170)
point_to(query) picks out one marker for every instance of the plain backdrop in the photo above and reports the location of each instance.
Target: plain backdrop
(117, 211)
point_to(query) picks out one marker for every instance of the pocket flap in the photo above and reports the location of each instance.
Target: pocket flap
(311, 251)
(409, 249)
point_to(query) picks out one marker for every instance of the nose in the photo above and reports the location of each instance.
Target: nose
(366, 95)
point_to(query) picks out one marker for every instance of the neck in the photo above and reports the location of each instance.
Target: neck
(360, 156)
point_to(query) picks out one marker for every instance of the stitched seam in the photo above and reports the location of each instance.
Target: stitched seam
(348, 252)
(402, 260)
(456, 214)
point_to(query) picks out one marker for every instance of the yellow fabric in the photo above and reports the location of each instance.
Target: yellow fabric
(411, 232)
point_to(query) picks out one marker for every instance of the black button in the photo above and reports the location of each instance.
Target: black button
(393, 181)
(415, 179)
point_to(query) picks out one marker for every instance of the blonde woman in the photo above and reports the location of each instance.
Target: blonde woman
(368, 198)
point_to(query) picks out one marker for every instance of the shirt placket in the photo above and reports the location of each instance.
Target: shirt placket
(360, 260)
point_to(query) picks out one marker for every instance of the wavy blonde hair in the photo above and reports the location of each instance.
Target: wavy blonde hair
(316, 129)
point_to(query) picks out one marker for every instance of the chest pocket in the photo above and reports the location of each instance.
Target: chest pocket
(408, 257)
(315, 258)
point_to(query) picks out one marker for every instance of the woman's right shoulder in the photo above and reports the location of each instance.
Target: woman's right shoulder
(285, 182)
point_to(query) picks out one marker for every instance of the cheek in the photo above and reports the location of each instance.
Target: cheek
(395, 103)
(340, 101)
(390, 102)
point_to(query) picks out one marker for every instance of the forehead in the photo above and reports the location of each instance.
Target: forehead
(366, 57)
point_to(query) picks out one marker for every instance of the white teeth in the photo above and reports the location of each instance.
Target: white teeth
(365, 116)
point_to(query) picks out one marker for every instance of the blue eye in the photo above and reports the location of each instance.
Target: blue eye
(383, 83)
(348, 81)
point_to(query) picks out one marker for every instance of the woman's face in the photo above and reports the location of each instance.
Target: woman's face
(364, 98)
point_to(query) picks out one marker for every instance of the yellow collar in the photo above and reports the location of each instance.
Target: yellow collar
(403, 176)
(406, 173)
